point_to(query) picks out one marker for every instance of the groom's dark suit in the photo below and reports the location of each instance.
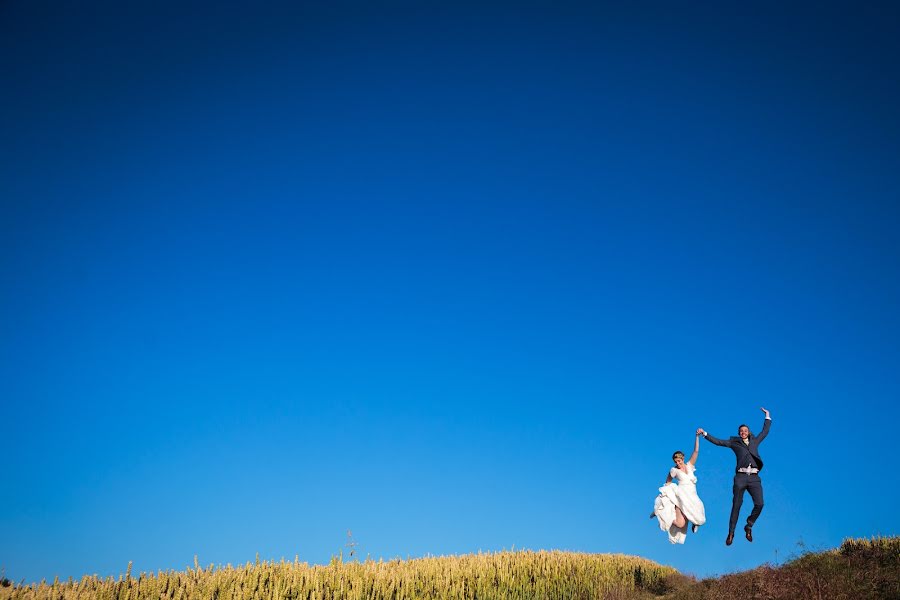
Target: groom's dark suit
(747, 456)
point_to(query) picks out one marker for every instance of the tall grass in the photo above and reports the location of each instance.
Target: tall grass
(507, 575)
(859, 569)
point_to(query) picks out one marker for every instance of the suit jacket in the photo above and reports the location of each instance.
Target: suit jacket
(746, 454)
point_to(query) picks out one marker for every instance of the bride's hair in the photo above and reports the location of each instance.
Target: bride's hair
(677, 452)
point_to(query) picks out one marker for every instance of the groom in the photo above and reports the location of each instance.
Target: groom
(746, 475)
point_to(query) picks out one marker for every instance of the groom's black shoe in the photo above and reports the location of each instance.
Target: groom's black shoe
(748, 532)
(730, 538)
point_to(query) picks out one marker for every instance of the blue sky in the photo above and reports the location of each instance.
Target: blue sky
(455, 278)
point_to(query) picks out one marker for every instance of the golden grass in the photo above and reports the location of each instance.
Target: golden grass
(507, 575)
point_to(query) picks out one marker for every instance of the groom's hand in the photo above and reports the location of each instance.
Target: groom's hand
(700, 431)
(765, 411)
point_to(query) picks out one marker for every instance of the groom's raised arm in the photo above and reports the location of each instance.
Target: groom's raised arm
(766, 424)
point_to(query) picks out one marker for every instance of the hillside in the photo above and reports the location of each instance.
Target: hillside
(858, 569)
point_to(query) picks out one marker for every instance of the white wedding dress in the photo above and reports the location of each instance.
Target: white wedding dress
(684, 496)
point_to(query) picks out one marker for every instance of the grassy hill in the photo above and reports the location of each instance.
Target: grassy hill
(858, 569)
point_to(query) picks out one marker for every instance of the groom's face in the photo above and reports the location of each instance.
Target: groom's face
(744, 432)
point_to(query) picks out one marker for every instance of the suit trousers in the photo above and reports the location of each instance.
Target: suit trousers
(746, 482)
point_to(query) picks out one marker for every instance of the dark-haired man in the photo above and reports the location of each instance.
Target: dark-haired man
(746, 475)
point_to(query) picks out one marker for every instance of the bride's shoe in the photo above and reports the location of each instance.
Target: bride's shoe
(694, 528)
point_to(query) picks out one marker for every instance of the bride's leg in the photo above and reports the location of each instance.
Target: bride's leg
(680, 521)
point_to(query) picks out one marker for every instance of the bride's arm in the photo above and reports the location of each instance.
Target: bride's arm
(693, 459)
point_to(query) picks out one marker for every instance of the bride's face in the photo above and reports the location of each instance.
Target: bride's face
(679, 461)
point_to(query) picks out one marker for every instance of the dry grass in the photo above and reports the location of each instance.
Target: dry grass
(860, 568)
(507, 575)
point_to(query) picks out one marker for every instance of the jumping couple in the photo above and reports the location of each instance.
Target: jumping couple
(678, 505)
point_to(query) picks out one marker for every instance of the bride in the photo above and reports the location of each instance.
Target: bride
(676, 505)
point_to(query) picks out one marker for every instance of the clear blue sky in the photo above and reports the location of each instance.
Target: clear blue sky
(456, 278)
